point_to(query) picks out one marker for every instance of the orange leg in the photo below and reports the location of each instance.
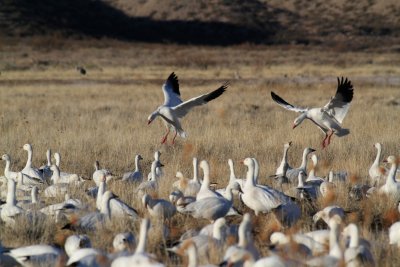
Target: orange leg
(165, 137)
(173, 140)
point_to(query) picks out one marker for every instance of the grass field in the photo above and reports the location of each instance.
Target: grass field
(103, 116)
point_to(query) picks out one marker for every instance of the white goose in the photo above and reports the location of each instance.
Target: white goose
(316, 180)
(394, 234)
(140, 257)
(76, 242)
(45, 169)
(135, 176)
(189, 248)
(10, 210)
(391, 187)
(159, 171)
(245, 259)
(64, 176)
(329, 117)
(99, 173)
(356, 254)
(36, 255)
(160, 209)
(293, 174)
(29, 170)
(88, 257)
(327, 213)
(118, 208)
(245, 240)
(151, 185)
(376, 172)
(260, 199)
(190, 187)
(124, 244)
(284, 163)
(58, 188)
(327, 187)
(19, 177)
(280, 239)
(205, 191)
(174, 109)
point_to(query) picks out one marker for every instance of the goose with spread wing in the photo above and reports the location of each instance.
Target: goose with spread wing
(174, 108)
(328, 118)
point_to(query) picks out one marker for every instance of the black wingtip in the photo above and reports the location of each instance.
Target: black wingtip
(278, 99)
(217, 93)
(345, 89)
(174, 82)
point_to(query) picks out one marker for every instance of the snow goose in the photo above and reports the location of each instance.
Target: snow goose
(174, 109)
(356, 254)
(94, 219)
(159, 171)
(335, 253)
(118, 208)
(160, 209)
(180, 200)
(10, 210)
(244, 258)
(98, 173)
(232, 177)
(328, 212)
(76, 242)
(311, 175)
(391, 187)
(328, 118)
(205, 191)
(88, 257)
(36, 255)
(149, 186)
(189, 248)
(394, 234)
(140, 257)
(260, 199)
(284, 163)
(212, 207)
(376, 172)
(29, 170)
(293, 174)
(19, 177)
(305, 242)
(190, 187)
(124, 243)
(45, 169)
(58, 187)
(136, 176)
(307, 191)
(245, 239)
(64, 176)
(327, 186)
(205, 242)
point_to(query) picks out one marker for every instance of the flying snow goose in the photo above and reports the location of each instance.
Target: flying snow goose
(140, 257)
(10, 210)
(135, 176)
(328, 118)
(356, 254)
(36, 255)
(174, 109)
(391, 187)
(293, 174)
(28, 169)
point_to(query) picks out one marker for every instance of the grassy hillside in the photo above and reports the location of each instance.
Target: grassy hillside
(351, 25)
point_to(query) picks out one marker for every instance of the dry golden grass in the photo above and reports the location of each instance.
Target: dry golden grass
(102, 116)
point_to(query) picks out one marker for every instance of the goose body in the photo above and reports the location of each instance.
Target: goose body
(135, 176)
(28, 169)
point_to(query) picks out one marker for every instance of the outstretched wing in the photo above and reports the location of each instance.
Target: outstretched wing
(182, 109)
(285, 104)
(339, 105)
(172, 96)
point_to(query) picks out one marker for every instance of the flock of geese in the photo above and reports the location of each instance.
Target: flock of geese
(291, 196)
(294, 189)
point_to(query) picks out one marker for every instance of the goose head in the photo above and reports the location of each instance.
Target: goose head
(391, 160)
(124, 241)
(152, 116)
(6, 157)
(288, 144)
(27, 147)
(299, 120)
(378, 146)
(146, 199)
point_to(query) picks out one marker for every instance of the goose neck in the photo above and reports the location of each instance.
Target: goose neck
(7, 168)
(391, 178)
(48, 156)
(105, 207)
(378, 155)
(29, 161)
(142, 237)
(34, 194)
(195, 170)
(137, 166)
(354, 236)
(334, 248)
(11, 192)
(304, 160)
(250, 176)
(243, 235)
(100, 192)
(192, 255)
